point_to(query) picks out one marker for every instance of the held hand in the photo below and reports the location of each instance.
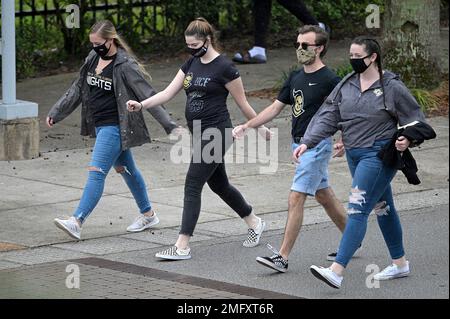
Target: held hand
(239, 131)
(134, 106)
(298, 152)
(265, 132)
(49, 122)
(402, 144)
(339, 149)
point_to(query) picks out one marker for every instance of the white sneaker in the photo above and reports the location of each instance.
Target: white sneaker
(70, 226)
(327, 276)
(143, 222)
(254, 235)
(392, 272)
(174, 253)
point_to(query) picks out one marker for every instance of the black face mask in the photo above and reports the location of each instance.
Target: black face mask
(102, 50)
(198, 53)
(358, 65)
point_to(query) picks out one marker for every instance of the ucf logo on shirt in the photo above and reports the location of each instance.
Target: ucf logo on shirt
(188, 80)
(99, 81)
(297, 107)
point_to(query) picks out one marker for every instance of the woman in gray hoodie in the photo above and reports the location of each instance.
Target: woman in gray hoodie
(367, 106)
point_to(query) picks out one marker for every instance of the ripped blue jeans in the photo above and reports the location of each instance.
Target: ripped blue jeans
(371, 190)
(107, 153)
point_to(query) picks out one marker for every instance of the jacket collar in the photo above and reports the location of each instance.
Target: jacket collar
(388, 76)
(122, 57)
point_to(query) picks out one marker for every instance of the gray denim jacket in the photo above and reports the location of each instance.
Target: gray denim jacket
(129, 84)
(363, 117)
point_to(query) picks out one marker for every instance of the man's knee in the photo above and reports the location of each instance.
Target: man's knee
(296, 198)
(324, 196)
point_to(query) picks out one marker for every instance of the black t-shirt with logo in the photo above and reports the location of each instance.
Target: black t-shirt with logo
(205, 90)
(102, 99)
(306, 92)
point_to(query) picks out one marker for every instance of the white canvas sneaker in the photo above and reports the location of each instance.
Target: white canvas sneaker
(174, 253)
(327, 276)
(393, 272)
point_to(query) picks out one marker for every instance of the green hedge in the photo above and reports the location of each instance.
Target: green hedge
(36, 47)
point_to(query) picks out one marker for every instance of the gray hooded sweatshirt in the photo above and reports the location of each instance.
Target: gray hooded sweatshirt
(363, 117)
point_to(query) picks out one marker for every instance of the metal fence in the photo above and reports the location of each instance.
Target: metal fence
(46, 11)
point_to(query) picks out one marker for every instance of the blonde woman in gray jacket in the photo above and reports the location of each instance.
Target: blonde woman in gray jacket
(109, 77)
(367, 106)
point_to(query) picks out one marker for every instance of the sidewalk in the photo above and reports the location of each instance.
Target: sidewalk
(231, 272)
(34, 254)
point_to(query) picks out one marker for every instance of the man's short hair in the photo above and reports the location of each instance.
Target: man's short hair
(322, 36)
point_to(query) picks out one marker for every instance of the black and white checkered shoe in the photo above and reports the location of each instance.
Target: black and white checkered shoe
(276, 262)
(253, 236)
(174, 253)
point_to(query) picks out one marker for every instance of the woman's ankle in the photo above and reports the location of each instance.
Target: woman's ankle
(338, 269)
(401, 262)
(183, 242)
(252, 221)
(150, 213)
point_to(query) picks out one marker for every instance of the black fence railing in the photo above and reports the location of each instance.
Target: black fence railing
(47, 10)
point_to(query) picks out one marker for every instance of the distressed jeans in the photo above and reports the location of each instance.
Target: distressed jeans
(108, 152)
(371, 190)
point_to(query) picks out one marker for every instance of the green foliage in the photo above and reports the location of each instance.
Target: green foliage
(346, 18)
(37, 48)
(234, 20)
(343, 70)
(427, 101)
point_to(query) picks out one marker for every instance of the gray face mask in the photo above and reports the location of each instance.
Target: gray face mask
(305, 57)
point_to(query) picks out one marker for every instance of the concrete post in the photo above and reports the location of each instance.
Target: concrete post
(19, 122)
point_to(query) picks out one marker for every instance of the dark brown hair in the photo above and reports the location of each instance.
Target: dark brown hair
(200, 28)
(371, 46)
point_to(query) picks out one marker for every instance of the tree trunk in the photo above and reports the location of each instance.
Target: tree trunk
(411, 36)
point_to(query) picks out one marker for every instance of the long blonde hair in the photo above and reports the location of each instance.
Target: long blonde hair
(107, 30)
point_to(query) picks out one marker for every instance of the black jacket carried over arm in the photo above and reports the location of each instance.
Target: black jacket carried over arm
(416, 132)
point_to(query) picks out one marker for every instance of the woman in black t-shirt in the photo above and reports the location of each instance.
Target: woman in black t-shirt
(109, 77)
(207, 79)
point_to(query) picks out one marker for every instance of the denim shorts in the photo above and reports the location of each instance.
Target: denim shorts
(311, 174)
